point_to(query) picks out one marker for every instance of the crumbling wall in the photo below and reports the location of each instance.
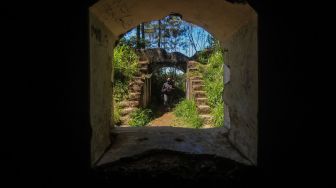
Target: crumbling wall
(101, 55)
(235, 25)
(241, 91)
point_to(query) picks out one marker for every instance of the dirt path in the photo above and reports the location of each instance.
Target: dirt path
(167, 119)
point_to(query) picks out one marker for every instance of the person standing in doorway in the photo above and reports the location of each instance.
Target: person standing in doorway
(167, 90)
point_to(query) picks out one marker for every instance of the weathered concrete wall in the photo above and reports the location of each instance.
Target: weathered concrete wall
(159, 58)
(220, 17)
(146, 92)
(241, 92)
(101, 55)
(235, 25)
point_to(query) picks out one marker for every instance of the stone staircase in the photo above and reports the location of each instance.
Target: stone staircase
(133, 100)
(198, 93)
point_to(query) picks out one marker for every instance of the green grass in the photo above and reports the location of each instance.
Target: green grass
(140, 117)
(119, 90)
(218, 114)
(186, 110)
(213, 77)
(116, 113)
(125, 63)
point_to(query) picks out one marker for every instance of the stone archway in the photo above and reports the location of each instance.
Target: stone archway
(234, 24)
(158, 58)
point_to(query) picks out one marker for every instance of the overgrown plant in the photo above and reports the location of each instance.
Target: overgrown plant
(187, 111)
(213, 77)
(116, 114)
(125, 62)
(140, 117)
(218, 114)
(119, 90)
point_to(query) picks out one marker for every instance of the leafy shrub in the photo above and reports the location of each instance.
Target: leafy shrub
(218, 115)
(116, 114)
(125, 62)
(203, 56)
(214, 90)
(125, 66)
(119, 90)
(187, 111)
(213, 77)
(140, 117)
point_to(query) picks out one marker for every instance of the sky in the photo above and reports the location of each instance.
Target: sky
(189, 51)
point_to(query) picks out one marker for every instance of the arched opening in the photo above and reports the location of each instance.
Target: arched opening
(159, 76)
(234, 25)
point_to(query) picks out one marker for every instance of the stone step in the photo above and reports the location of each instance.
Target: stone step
(134, 96)
(136, 78)
(193, 69)
(127, 111)
(207, 119)
(192, 63)
(125, 104)
(196, 77)
(198, 87)
(143, 62)
(136, 82)
(134, 88)
(143, 69)
(207, 125)
(203, 109)
(201, 101)
(138, 74)
(199, 94)
(124, 119)
(197, 82)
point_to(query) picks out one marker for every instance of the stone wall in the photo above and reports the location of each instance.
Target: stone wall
(241, 91)
(146, 91)
(159, 58)
(235, 25)
(101, 55)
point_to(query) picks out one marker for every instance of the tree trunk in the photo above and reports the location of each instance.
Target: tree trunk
(159, 41)
(143, 35)
(138, 37)
(191, 38)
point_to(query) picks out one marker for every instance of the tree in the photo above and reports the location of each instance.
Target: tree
(138, 37)
(159, 34)
(143, 43)
(170, 33)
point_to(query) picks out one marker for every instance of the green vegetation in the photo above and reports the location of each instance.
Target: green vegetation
(218, 114)
(186, 110)
(120, 89)
(125, 62)
(203, 56)
(140, 117)
(214, 86)
(193, 74)
(125, 66)
(172, 34)
(116, 114)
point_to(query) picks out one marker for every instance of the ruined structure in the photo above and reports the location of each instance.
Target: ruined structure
(233, 24)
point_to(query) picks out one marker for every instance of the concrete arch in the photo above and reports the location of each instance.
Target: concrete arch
(234, 24)
(158, 66)
(158, 57)
(221, 18)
